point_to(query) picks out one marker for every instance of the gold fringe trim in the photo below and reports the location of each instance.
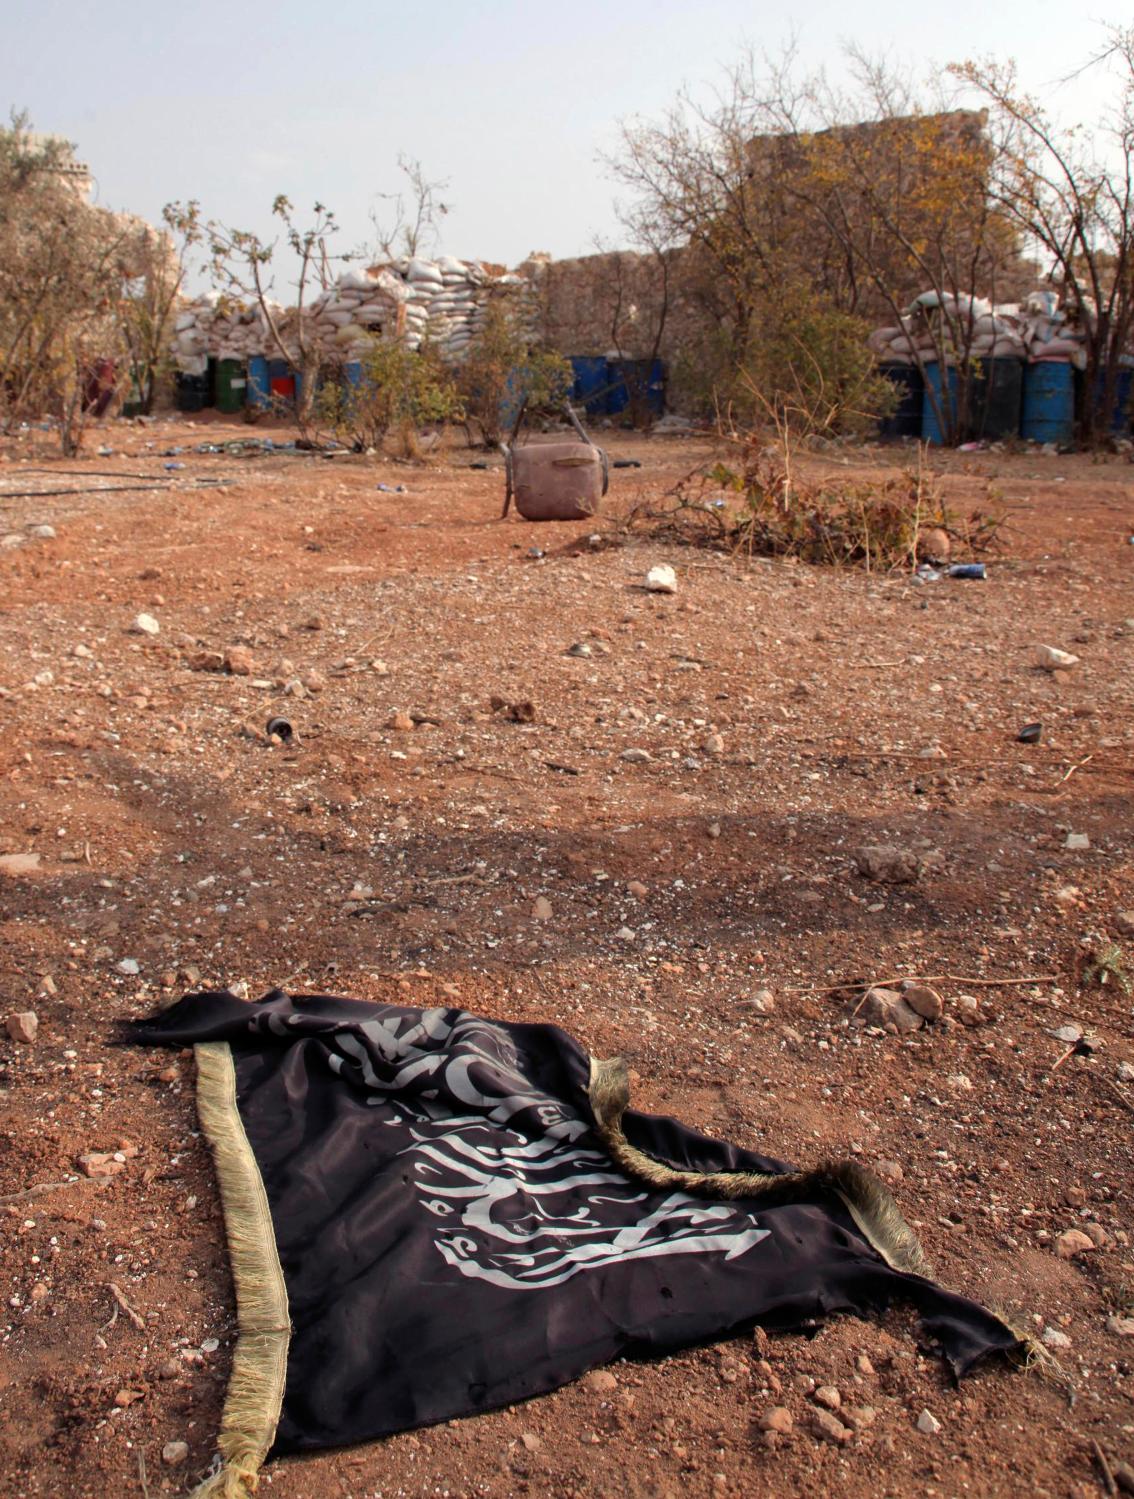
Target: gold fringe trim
(259, 1364)
(867, 1200)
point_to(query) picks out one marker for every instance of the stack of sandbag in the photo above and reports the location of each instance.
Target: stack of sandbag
(897, 344)
(192, 330)
(361, 306)
(211, 326)
(444, 303)
(1052, 336)
(999, 334)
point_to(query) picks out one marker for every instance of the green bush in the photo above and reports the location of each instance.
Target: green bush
(502, 370)
(401, 390)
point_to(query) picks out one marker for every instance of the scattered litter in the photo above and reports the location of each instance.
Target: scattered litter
(627, 463)
(968, 570)
(392, 488)
(1031, 733)
(281, 729)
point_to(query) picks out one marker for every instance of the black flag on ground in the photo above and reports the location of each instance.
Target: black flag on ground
(431, 1214)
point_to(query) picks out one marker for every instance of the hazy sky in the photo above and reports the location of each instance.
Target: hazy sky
(511, 102)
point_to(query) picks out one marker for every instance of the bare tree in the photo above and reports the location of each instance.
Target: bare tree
(417, 214)
(153, 276)
(243, 264)
(60, 270)
(1074, 204)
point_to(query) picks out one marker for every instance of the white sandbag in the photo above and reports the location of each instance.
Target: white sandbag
(423, 270)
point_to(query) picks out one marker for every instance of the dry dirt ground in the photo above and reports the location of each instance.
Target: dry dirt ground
(528, 871)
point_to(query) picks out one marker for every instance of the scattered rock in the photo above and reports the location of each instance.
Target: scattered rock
(636, 756)
(925, 1001)
(314, 681)
(661, 579)
(238, 661)
(779, 1418)
(145, 624)
(827, 1396)
(402, 723)
(98, 1163)
(888, 1009)
(1124, 1072)
(19, 863)
(713, 745)
(541, 909)
(1123, 1327)
(1050, 658)
(637, 889)
(928, 1424)
(828, 1428)
(174, 1453)
(968, 1009)
(858, 1417)
(887, 864)
(206, 661)
(891, 1173)
(763, 1002)
(1053, 1338)
(129, 966)
(531, 1442)
(128, 1397)
(23, 1026)
(600, 1381)
(42, 533)
(1077, 841)
(1073, 1242)
(1068, 1034)
(580, 648)
(1124, 921)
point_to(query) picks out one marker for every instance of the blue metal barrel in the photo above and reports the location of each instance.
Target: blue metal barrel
(1120, 414)
(589, 388)
(905, 419)
(997, 393)
(932, 430)
(258, 391)
(1049, 402)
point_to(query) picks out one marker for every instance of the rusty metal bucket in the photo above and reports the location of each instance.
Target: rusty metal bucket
(555, 480)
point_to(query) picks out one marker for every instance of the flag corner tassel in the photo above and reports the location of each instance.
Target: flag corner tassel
(259, 1362)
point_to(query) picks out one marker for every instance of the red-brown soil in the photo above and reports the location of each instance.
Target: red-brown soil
(405, 865)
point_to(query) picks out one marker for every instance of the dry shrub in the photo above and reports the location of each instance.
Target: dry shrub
(760, 503)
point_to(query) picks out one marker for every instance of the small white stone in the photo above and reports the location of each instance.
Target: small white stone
(1054, 1338)
(1077, 840)
(145, 624)
(928, 1424)
(129, 966)
(661, 579)
(1053, 659)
